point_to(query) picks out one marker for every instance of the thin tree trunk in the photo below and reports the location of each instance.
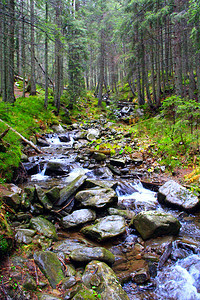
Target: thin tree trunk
(11, 50)
(33, 83)
(46, 61)
(101, 66)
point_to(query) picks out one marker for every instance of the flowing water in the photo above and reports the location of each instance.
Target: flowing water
(180, 277)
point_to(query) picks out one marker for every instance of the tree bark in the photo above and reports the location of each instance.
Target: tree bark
(33, 81)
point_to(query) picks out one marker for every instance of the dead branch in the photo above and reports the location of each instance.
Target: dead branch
(23, 138)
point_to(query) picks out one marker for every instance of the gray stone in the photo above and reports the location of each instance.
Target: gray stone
(105, 228)
(47, 297)
(78, 217)
(87, 254)
(174, 194)
(99, 156)
(11, 195)
(58, 128)
(71, 188)
(55, 168)
(68, 245)
(91, 183)
(154, 223)
(24, 235)
(120, 162)
(50, 266)
(124, 213)
(101, 276)
(42, 197)
(44, 227)
(96, 197)
(93, 134)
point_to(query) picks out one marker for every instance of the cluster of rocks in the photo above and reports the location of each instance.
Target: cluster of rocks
(80, 268)
(112, 244)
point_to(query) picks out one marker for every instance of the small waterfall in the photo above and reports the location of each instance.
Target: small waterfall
(134, 195)
(40, 176)
(180, 281)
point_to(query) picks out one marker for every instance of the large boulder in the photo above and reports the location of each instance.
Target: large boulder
(101, 276)
(42, 197)
(78, 217)
(154, 223)
(50, 266)
(87, 254)
(56, 167)
(44, 227)
(105, 228)
(96, 197)
(174, 194)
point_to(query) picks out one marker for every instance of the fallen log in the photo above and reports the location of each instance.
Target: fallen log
(22, 137)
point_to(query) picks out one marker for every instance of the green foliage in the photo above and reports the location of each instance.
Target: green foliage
(175, 131)
(28, 117)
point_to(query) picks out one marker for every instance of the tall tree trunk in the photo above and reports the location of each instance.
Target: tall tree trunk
(5, 54)
(58, 58)
(101, 67)
(11, 50)
(33, 81)
(46, 60)
(23, 50)
(1, 52)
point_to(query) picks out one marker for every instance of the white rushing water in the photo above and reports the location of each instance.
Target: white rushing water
(138, 197)
(180, 281)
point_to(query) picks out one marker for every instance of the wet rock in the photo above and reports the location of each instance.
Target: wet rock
(11, 195)
(44, 227)
(64, 138)
(80, 135)
(96, 197)
(71, 292)
(86, 254)
(78, 217)
(153, 223)
(98, 156)
(69, 282)
(47, 297)
(105, 228)
(68, 245)
(100, 174)
(93, 134)
(114, 170)
(55, 168)
(50, 266)
(85, 294)
(29, 283)
(43, 199)
(118, 162)
(101, 276)
(24, 235)
(53, 194)
(42, 142)
(71, 188)
(140, 276)
(91, 183)
(124, 213)
(174, 194)
(58, 128)
(31, 168)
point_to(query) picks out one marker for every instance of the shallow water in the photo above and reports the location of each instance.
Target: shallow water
(179, 279)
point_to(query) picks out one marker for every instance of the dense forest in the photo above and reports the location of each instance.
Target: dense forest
(144, 52)
(77, 45)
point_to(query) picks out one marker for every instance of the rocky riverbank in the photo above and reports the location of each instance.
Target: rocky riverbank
(82, 227)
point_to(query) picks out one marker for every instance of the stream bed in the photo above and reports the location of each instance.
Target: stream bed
(179, 276)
